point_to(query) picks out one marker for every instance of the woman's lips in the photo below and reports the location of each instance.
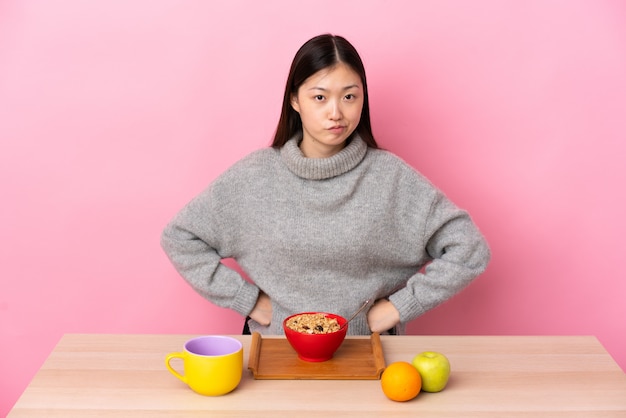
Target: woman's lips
(337, 129)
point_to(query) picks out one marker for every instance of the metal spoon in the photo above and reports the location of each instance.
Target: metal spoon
(355, 314)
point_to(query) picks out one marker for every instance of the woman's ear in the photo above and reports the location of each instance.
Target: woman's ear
(294, 103)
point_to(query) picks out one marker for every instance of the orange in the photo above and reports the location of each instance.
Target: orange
(401, 381)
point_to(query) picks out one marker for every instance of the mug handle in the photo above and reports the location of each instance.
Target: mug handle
(171, 356)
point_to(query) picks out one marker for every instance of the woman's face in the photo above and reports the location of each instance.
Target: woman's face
(330, 104)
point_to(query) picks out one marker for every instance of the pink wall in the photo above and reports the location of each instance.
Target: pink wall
(113, 114)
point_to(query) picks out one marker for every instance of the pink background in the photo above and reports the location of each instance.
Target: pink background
(113, 114)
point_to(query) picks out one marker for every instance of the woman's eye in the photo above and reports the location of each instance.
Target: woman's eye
(319, 97)
(349, 97)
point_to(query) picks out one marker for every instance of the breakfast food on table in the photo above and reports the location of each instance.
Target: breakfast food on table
(401, 381)
(434, 368)
(315, 336)
(313, 323)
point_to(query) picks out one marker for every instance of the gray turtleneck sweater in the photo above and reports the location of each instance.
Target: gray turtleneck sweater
(325, 235)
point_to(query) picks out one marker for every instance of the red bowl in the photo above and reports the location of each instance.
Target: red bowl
(316, 347)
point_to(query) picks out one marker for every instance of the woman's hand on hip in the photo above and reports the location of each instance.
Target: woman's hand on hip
(262, 311)
(382, 316)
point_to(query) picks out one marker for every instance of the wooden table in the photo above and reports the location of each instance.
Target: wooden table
(494, 376)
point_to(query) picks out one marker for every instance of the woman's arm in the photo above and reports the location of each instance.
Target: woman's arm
(192, 241)
(458, 252)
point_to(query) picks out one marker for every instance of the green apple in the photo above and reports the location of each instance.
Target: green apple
(434, 368)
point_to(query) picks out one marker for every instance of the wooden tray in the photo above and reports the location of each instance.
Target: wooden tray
(356, 359)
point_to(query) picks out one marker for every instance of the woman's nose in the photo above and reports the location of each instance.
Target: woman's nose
(334, 112)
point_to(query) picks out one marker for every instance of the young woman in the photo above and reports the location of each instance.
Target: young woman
(324, 220)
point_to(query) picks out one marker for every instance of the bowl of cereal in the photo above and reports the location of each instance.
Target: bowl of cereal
(315, 335)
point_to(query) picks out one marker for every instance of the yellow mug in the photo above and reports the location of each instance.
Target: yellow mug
(213, 364)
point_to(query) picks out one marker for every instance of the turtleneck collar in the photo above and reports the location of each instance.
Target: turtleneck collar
(323, 168)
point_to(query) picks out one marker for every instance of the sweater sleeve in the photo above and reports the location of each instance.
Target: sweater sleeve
(192, 241)
(458, 252)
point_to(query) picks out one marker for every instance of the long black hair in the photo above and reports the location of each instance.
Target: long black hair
(318, 53)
